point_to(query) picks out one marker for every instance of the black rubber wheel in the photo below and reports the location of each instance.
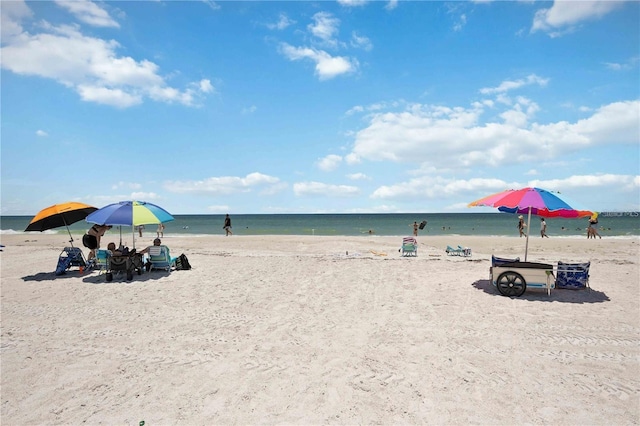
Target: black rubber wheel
(129, 275)
(511, 284)
(139, 271)
(109, 277)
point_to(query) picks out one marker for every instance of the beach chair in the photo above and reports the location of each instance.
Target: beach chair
(452, 251)
(573, 276)
(409, 246)
(124, 263)
(464, 251)
(160, 258)
(101, 261)
(70, 257)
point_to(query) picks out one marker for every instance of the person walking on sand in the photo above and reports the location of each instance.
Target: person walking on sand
(521, 226)
(227, 226)
(543, 228)
(160, 231)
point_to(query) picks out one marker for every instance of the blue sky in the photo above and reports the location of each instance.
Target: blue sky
(312, 107)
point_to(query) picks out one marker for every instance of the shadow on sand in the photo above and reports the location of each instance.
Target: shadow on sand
(557, 295)
(92, 277)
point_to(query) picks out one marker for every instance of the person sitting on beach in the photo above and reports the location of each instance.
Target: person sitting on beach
(91, 239)
(156, 243)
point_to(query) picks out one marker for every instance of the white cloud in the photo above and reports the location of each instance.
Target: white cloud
(205, 86)
(126, 185)
(327, 66)
(358, 176)
(42, 133)
(88, 12)
(361, 42)
(143, 196)
(224, 185)
(12, 14)
(218, 209)
(625, 66)
(329, 163)
(249, 110)
(626, 183)
(323, 189)
(352, 3)
(462, 21)
(104, 95)
(428, 135)
(282, 23)
(325, 27)
(508, 85)
(564, 15)
(438, 187)
(391, 4)
(89, 65)
(212, 4)
(435, 187)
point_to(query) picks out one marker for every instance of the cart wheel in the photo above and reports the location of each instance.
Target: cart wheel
(109, 277)
(139, 271)
(511, 284)
(129, 275)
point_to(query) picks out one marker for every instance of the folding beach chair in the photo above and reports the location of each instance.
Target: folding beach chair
(573, 276)
(452, 251)
(409, 246)
(464, 251)
(160, 258)
(70, 257)
(101, 261)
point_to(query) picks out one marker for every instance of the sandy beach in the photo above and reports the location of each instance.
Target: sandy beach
(320, 330)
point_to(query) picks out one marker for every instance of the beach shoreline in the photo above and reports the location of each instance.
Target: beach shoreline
(320, 330)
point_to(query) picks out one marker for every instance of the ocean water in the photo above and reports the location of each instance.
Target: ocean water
(484, 224)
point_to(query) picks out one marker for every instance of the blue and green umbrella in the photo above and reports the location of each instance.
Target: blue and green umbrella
(130, 213)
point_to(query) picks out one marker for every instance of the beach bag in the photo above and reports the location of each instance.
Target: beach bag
(182, 263)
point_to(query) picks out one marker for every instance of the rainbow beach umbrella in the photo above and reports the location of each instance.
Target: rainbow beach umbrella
(530, 201)
(130, 213)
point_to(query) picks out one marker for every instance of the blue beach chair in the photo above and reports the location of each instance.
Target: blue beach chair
(70, 257)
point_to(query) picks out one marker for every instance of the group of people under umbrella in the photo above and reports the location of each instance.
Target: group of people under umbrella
(124, 213)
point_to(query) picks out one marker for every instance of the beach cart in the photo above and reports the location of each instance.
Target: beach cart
(513, 278)
(127, 263)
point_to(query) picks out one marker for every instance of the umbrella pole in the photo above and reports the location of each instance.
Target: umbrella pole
(68, 230)
(526, 247)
